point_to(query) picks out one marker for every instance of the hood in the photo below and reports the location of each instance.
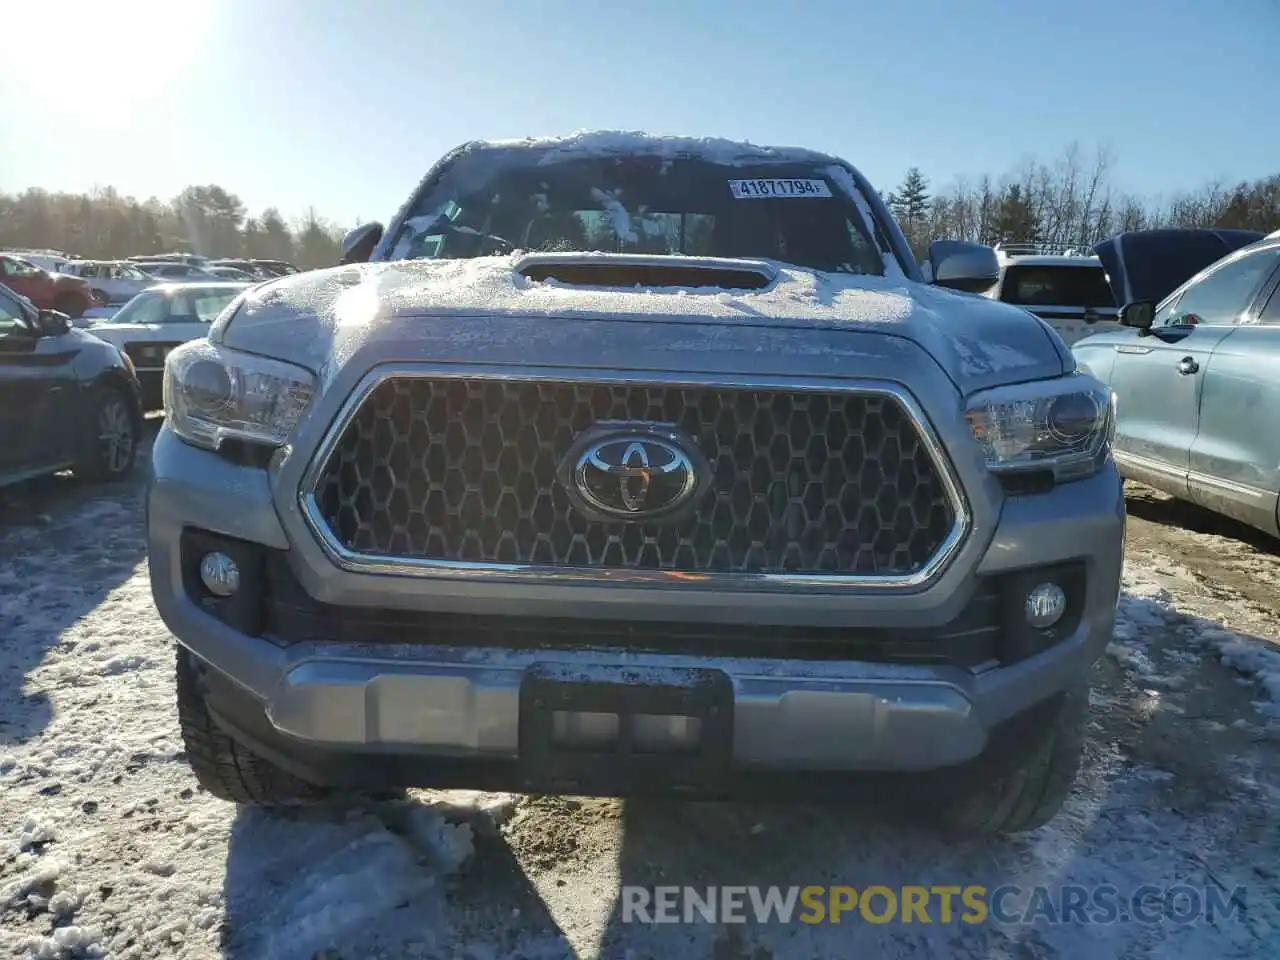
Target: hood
(321, 318)
(100, 325)
(1151, 264)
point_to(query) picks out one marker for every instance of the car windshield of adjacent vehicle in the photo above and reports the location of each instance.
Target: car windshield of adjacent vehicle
(183, 306)
(200, 305)
(144, 308)
(1046, 286)
(794, 213)
(17, 267)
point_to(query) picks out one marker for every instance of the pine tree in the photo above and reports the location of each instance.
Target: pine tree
(276, 239)
(316, 246)
(910, 202)
(1015, 220)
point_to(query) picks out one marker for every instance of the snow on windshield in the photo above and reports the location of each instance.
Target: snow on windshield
(791, 207)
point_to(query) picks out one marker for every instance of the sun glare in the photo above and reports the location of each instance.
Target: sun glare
(123, 52)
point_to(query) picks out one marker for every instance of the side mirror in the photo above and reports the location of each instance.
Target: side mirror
(961, 265)
(51, 323)
(358, 243)
(1139, 314)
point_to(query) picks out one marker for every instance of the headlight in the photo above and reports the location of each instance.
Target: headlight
(212, 394)
(1063, 425)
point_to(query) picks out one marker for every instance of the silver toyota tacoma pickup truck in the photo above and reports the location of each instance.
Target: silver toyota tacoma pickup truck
(620, 464)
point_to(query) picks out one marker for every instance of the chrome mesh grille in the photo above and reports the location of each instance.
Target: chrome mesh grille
(803, 482)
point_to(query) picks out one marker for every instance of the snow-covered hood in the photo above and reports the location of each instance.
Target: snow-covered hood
(321, 319)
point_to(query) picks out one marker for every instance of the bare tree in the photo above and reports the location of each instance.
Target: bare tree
(1070, 200)
(1073, 201)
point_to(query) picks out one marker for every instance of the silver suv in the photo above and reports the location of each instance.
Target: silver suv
(634, 464)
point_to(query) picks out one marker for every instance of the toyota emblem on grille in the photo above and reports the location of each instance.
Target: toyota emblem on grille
(632, 474)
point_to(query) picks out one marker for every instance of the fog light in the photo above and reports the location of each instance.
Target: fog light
(219, 574)
(1045, 606)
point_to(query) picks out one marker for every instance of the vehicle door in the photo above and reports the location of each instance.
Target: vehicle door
(99, 279)
(94, 275)
(1157, 378)
(16, 434)
(1235, 459)
(115, 284)
(39, 391)
(27, 279)
(130, 281)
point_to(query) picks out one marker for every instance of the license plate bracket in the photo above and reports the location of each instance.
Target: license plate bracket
(621, 767)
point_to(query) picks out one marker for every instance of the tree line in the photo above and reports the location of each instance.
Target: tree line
(1070, 200)
(208, 220)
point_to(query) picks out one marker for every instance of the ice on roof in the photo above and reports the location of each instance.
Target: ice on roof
(610, 142)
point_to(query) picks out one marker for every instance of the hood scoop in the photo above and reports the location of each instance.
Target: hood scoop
(626, 272)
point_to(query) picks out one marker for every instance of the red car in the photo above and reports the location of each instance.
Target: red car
(48, 291)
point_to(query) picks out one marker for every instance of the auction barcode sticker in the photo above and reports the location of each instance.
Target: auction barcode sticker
(772, 189)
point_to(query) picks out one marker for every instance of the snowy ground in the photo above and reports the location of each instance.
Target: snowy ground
(108, 848)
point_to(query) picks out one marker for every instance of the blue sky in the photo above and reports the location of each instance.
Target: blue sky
(345, 104)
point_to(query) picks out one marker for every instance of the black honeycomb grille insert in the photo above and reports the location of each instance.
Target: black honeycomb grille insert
(455, 469)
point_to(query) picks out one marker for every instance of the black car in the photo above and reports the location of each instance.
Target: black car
(68, 400)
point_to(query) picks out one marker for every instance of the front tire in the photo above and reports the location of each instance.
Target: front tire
(227, 769)
(110, 440)
(1033, 794)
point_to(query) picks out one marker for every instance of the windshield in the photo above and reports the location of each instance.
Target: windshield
(144, 308)
(793, 213)
(194, 305)
(1057, 287)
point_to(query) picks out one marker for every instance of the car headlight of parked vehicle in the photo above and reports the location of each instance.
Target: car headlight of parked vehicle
(1063, 425)
(212, 394)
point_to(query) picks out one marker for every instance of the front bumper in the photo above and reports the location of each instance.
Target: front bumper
(366, 699)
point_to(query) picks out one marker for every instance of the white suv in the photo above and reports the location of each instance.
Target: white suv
(1065, 287)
